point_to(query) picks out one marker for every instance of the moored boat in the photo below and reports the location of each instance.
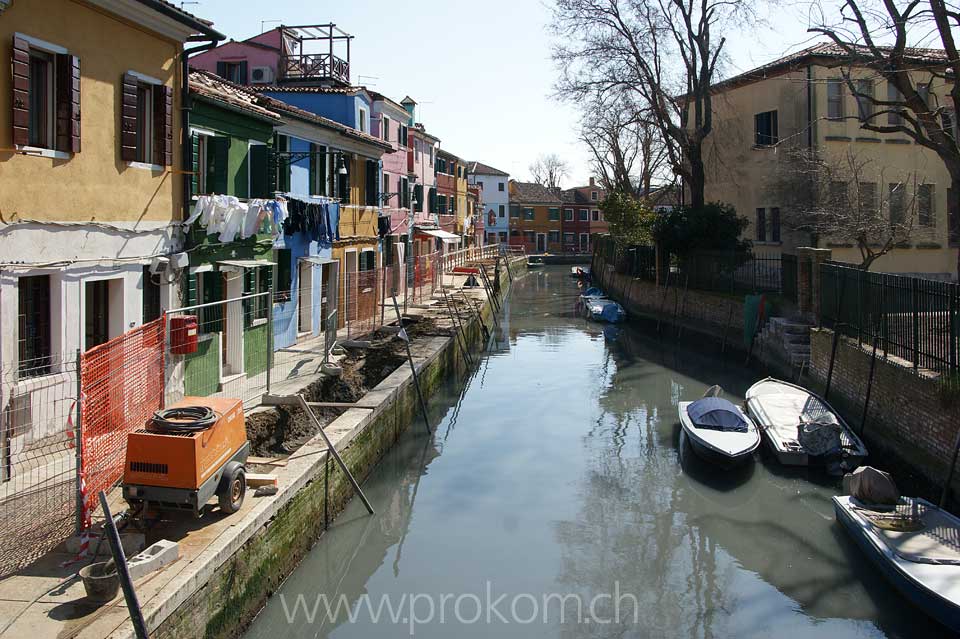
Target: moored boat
(800, 427)
(535, 262)
(917, 548)
(580, 272)
(603, 310)
(718, 431)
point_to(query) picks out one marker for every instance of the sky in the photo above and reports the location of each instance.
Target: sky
(481, 72)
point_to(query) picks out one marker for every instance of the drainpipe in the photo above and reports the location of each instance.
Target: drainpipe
(186, 148)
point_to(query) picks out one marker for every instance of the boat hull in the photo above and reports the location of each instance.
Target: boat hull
(935, 606)
(711, 456)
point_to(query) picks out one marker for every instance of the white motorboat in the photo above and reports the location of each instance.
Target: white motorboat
(800, 427)
(719, 431)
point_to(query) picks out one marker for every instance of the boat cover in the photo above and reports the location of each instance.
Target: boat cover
(593, 291)
(716, 413)
(871, 486)
(936, 542)
(611, 312)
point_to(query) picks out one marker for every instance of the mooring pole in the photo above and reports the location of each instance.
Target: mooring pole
(726, 328)
(463, 330)
(683, 306)
(866, 399)
(413, 368)
(506, 260)
(473, 310)
(120, 563)
(456, 328)
(833, 357)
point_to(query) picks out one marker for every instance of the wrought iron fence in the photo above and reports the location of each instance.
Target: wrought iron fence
(914, 319)
(788, 276)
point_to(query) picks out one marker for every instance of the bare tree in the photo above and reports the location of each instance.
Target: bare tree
(847, 199)
(884, 36)
(663, 53)
(549, 170)
(627, 152)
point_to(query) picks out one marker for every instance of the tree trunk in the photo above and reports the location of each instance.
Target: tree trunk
(697, 179)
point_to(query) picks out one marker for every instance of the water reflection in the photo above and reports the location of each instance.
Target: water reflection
(558, 466)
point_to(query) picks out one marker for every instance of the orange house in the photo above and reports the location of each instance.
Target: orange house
(535, 217)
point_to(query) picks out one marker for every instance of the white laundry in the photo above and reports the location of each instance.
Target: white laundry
(233, 222)
(252, 219)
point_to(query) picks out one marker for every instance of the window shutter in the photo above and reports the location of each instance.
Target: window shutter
(163, 125)
(221, 151)
(190, 295)
(21, 92)
(195, 164)
(128, 119)
(249, 281)
(272, 164)
(312, 172)
(243, 72)
(259, 173)
(222, 69)
(68, 103)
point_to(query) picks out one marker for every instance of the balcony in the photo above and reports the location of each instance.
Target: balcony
(315, 53)
(314, 66)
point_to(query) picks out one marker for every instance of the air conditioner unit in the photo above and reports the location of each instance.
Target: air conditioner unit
(261, 75)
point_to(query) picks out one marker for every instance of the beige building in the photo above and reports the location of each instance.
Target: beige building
(800, 101)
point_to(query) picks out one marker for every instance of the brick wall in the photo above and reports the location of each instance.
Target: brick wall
(909, 416)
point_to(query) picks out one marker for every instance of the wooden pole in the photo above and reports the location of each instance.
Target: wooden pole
(833, 357)
(413, 368)
(866, 399)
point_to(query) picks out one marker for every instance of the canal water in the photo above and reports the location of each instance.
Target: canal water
(558, 499)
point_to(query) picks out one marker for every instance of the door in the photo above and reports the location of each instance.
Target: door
(97, 309)
(305, 298)
(350, 286)
(584, 242)
(541, 242)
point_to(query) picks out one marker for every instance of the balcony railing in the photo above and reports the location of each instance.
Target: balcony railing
(315, 66)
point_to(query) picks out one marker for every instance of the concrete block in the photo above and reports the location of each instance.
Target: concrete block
(153, 558)
(259, 479)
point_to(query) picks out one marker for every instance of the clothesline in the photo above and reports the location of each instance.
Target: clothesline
(227, 216)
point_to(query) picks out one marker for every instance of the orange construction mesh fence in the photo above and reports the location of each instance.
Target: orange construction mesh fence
(121, 385)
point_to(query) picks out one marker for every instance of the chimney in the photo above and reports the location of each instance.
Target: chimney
(593, 182)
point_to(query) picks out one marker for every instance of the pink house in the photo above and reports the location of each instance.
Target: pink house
(389, 123)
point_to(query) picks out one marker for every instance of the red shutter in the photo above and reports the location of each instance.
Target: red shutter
(68, 103)
(21, 92)
(128, 119)
(163, 125)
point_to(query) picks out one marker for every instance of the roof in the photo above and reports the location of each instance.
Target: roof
(293, 88)
(283, 108)
(184, 17)
(576, 195)
(213, 87)
(379, 97)
(479, 168)
(531, 192)
(828, 50)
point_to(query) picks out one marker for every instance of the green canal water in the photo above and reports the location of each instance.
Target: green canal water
(557, 499)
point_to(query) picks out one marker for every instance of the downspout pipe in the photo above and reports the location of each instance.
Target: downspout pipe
(186, 148)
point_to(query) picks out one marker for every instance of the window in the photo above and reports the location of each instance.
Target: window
(765, 128)
(569, 238)
(553, 215)
(501, 211)
(46, 96)
(96, 313)
(835, 98)
(500, 186)
(430, 154)
(362, 120)
(893, 95)
(151, 296)
(387, 196)
(867, 197)
(583, 215)
(503, 236)
(368, 260)
(318, 169)
(528, 214)
(404, 135)
(568, 215)
(480, 184)
(442, 204)
(896, 201)
(593, 195)
(283, 258)
(514, 212)
(385, 122)
(33, 338)
(761, 225)
(234, 71)
(147, 121)
(256, 281)
(372, 183)
(774, 224)
(864, 99)
(553, 236)
(584, 242)
(416, 150)
(596, 215)
(925, 208)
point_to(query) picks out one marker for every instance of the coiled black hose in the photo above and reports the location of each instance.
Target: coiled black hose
(189, 419)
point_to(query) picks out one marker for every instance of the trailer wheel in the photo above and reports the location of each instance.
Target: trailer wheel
(233, 488)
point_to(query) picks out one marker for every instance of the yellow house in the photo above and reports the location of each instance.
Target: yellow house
(91, 188)
(801, 102)
(463, 210)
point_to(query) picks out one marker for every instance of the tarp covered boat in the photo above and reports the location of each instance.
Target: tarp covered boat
(719, 431)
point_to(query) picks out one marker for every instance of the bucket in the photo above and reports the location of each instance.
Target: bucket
(101, 586)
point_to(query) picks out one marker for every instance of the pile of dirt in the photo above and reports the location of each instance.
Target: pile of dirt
(285, 429)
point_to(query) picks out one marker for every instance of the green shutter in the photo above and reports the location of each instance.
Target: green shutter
(244, 79)
(195, 164)
(221, 152)
(190, 292)
(249, 282)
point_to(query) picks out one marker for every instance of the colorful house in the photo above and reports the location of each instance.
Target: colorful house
(535, 217)
(447, 191)
(582, 217)
(389, 123)
(98, 193)
(496, 199)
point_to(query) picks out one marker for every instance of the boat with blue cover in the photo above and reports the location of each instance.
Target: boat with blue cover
(718, 431)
